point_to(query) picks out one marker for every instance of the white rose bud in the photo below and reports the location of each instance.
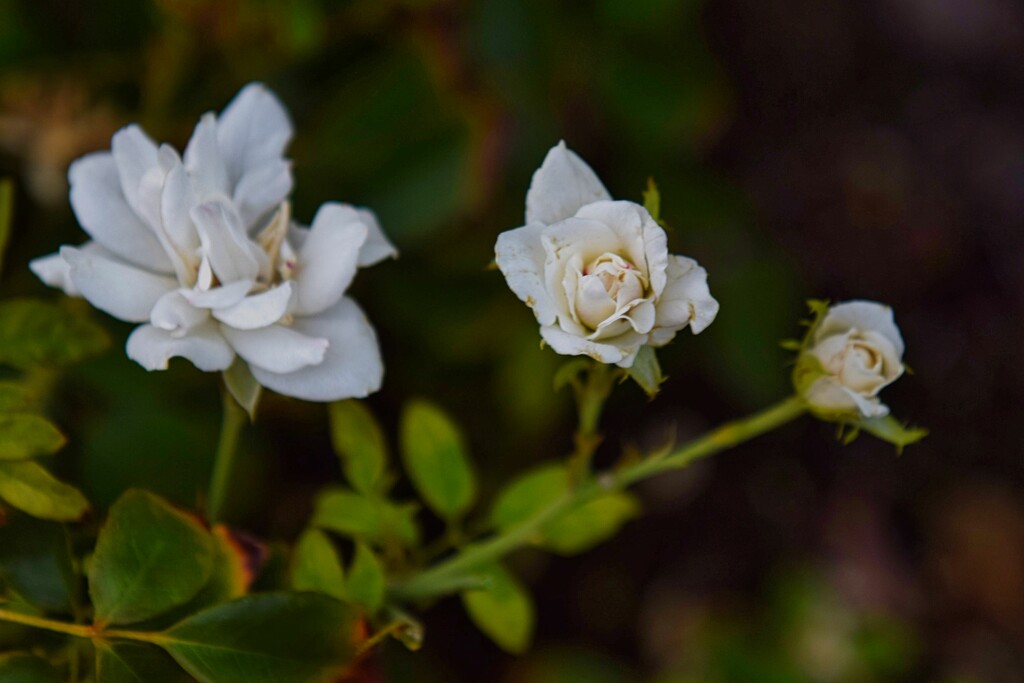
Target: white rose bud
(852, 353)
(597, 272)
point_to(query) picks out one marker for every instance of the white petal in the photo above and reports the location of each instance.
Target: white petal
(232, 255)
(328, 258)
(204, 162)
(101, 208)
(173, 313)
(864, 316)
(203, 345)
(219, 297)
(259, 310)
(828, 395)
(520, 257)
(136, 155)
(276, 348)
(573, 241)
(352, 367)
(262, 189)
(55, 271)
(561, 185)
(686, 300)
(123, 291)
(622, 352)
(377, 246)
(178, 233)
(252, 130)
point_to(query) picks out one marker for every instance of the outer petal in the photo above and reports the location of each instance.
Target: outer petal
(219, 297)
(123, 291)
(377, 246)
(686, 301)
(520, 257)
(173, 313)
(204, 161)
(101, 208)
(259, 310)
(561, 185)
(328, 258)
(223, 239)
(622, 352)
(827, 395)
(261, 190)
(351, 368)
(203, 345)
(645, 241)
(863, 316)
(56, 272)
(276, 348)
(177, 232)
(136, 155)
(252, 130)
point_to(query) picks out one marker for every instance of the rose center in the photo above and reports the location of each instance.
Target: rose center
(607, 285)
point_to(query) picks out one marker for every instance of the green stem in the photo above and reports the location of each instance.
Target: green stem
(590, 398)
(451, 574)
(78, 630)
(227, 446)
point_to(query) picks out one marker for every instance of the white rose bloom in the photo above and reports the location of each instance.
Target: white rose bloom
(201, 249)
(597, 272)
(859, 350)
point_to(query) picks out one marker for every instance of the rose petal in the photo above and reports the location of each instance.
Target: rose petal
(55, 271)
(640, 237)
(232, 256)
(252, 130)
(204, 161)
(219, 297)
(328, 257)
(173, 313)
(178, 233)
(123, 291)
(262, 189)
(377, 246)
(260, 310)
(101, 208)
(520, 257)
(828, 395)
(561, 185)
(135, 155)
(203, 345)
(276, 348)
(686, 300)
(863, 316)
(351, 368)
(622, 352)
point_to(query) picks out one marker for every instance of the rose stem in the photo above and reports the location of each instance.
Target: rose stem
(231, 427)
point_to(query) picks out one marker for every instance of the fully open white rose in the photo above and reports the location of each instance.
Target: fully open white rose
(202, 250)
(858, 351)
(597, 272)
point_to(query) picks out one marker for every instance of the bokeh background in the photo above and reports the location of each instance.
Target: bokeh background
(804, 148)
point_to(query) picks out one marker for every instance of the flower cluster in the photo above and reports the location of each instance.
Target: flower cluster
(202, 250)
(597, 272)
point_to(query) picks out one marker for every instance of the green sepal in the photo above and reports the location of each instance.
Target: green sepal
(243, 387)
(652, 200)
(646, 371)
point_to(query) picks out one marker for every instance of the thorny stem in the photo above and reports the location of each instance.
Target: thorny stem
(227, 446)
(455, 573)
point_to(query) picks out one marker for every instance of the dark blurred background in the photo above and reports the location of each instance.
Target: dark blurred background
(804, 148)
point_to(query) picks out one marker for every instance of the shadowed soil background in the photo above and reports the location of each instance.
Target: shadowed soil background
(804, 148)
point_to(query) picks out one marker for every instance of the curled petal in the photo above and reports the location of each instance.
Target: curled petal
(327, 259)
(123, 291)
(863, 316)
(219, 297)
(252, 130)
(643, 240)
(520, 257)
(377, 246)
(262, 189)
(232, 256)
(259, 310)
(622, 352)
(204, 161)
(152, 348)
(135, 155)
(562, 184)
(56, 272)
(173, 313)
(351, 368)
(827, 395)
(99, 204)
(276, 348)
(686, 300)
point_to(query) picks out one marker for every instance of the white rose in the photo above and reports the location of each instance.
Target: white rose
(202, 250)
(597, 272)
(855, 351)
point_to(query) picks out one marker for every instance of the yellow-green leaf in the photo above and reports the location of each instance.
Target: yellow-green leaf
(369, 519)
(316, 565)
(503, 610)
(360, 443)
(435, 459)
(528, 495)
(366, 579)
(27, 486)
(590, 524)
(23, 435)
(38, 333)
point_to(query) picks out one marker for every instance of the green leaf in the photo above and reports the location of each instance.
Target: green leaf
(528, 495)
(366, 579)
(15, 397)
(646, 371)
(652, 200)
(243, 387)
(19, 667)
(149, 558)
(316, 565)
(6, 214)
(35, 562)
(24, 436)
(590, 524)
(266, 638)
(370, 519)
(890, 429)
(30, 488)
(129, 662)
(359, 441)
(435, 459)
(503, 611)
(37, 333)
